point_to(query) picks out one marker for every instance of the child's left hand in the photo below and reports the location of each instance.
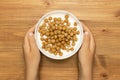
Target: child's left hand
(32, 55)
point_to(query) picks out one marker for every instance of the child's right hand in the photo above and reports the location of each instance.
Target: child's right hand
(86, 54)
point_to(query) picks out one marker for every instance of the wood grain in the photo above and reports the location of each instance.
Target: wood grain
(101, 16)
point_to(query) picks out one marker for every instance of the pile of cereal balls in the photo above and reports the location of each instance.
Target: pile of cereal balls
(56, 35)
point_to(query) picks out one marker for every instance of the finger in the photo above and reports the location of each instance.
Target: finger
(32, 41)
(26, 44)
(92, 44)
(86, 42)
(31, 30)
(85, 28)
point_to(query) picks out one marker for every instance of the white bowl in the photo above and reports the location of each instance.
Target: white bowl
(72, 19)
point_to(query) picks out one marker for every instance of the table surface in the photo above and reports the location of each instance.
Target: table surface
(101, 16)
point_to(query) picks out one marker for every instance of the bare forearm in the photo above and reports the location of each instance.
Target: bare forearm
(86, 71)
(32, 74)
(86, 74)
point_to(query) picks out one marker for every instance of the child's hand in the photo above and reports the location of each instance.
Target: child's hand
(86, 54)
(32, 55)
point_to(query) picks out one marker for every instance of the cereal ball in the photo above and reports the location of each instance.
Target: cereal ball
(50, 18)
(66, 16)
(46, 20)
(75, 24)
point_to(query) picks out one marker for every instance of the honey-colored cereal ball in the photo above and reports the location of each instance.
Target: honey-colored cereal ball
(50, 18)
(59, 19)
(44, 25)
(74, 28)
(65, 21)
(71, 48)
(66, 16)
(53, 41)
(60, 53)
(75, 24)
(55, 19)
(78, 32)
(68, 24)
(73, 43)
(46, 20)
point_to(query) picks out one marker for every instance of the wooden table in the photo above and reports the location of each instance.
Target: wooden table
(101, 16)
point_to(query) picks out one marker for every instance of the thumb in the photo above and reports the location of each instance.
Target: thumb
(32, 41)
(86, 42)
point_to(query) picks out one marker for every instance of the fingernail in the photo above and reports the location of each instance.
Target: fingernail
(86, 33)
(30, 34)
